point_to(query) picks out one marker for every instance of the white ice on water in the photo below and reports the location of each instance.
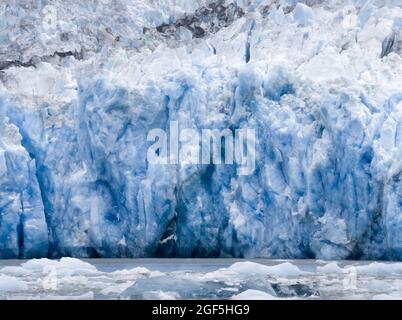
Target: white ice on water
(70, 278)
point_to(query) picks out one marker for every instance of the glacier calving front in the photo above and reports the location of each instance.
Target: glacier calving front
(83, 84)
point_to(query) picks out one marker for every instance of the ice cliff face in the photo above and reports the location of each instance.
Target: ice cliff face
(82, 83)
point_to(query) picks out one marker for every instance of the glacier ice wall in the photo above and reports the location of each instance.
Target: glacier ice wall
(83, 83)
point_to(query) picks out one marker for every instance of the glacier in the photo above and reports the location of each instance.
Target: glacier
(83, 83)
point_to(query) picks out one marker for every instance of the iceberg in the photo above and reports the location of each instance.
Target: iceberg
(319, 82)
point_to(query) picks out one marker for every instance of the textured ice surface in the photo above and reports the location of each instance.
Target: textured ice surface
(70, 278)
(83, 82)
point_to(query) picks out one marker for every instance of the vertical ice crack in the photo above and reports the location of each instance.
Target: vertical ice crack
(248, 43)
(25, 142)
(20, 228)
(387, 45)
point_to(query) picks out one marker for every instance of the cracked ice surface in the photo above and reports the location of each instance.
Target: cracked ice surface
(82, 84)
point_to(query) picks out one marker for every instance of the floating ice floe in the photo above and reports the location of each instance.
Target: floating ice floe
(209, 279)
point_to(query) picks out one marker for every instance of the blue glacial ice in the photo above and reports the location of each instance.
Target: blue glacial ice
(83, 83)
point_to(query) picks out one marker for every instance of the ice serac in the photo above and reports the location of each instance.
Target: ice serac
(319, 81)
(23, 231)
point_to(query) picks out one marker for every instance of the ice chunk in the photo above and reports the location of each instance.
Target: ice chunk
(117, 289)
(8, 283)
(86, 296)
(64, 266)
(331, 267)
(378, 268)
(386, 297)
(303, 14)
(157, 287)
(161, 295)
(251, 294)
(281, 270)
